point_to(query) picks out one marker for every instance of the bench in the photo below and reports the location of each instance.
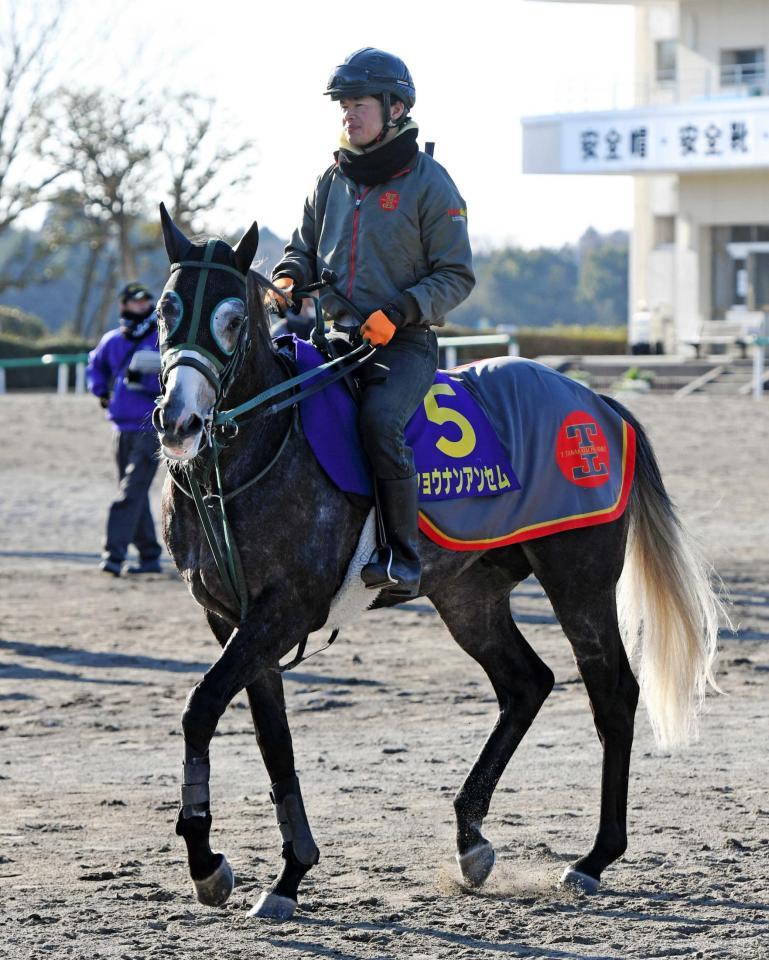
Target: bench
(727, 333)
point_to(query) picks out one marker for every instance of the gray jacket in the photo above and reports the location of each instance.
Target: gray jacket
(403, 242)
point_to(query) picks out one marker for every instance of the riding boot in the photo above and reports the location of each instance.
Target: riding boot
(395, 566)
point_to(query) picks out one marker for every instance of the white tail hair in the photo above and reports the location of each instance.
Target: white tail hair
(668, 609)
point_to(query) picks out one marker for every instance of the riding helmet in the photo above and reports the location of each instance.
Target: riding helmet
(371, 72)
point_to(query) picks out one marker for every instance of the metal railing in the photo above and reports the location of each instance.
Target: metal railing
(589, 94)
(63, 361)
(448, 345)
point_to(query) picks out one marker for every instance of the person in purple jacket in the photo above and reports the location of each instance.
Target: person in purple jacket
(123, 373)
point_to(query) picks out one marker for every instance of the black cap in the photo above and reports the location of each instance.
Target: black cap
(134, 291)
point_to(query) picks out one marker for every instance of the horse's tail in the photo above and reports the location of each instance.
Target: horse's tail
(666, 603)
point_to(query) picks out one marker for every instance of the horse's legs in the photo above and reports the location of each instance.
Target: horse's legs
(476, 609)
(585, 604)
(240, 663)
(300, 853)
(268, 709)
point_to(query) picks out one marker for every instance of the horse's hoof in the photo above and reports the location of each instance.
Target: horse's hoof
(579, 881)
(215, 889)
(477, 864)
(271, 906)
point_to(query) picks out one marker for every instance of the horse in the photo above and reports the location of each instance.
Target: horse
(637, 576)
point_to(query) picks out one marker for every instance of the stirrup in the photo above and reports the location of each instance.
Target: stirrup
(376, 573)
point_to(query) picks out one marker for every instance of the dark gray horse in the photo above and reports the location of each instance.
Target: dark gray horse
(296, 536)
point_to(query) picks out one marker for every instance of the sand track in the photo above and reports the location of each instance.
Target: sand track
(94, 673)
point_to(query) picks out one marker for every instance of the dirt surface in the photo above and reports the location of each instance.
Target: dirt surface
(94, 672)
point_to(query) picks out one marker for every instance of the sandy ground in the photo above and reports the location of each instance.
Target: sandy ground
(94, 673)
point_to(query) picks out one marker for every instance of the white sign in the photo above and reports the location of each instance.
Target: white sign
(699, 139)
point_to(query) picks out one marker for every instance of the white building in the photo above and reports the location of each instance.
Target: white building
(694, 134)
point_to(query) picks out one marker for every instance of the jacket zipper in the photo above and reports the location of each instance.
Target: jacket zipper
(355, 220)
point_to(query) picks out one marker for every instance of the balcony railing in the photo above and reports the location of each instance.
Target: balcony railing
(666, 87)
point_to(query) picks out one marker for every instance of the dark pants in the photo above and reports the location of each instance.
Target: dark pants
(395, 381)
(129, 520)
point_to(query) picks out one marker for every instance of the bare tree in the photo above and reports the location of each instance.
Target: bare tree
(106, 145)
(25, 55)
(201, 166)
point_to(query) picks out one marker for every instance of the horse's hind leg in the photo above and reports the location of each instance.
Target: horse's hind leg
(585, 604)
(476, 609)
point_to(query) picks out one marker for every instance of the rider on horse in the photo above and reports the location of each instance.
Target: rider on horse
(391, 224)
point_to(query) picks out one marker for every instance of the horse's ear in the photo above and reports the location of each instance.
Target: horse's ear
(176, 243)
(245, 250)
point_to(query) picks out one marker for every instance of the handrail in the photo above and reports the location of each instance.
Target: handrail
(450, 344)
(9, 363)
(63, 360)
(79, 360)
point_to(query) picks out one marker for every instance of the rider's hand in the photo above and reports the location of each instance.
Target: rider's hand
(378, 329)
(274, 301)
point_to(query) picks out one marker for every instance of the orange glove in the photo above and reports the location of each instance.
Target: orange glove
(274, 300)
(378, 329)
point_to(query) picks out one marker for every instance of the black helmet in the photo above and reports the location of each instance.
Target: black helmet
(134, 291)
(371, 72)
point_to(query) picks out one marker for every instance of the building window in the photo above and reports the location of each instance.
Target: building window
(744, 67)
(665, 61)
(664, 231)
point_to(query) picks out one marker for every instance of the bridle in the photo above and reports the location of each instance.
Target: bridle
(219, 373)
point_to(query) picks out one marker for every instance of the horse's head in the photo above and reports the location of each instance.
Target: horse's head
(203, 329)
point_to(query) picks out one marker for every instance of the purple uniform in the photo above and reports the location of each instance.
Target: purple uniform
(132, 392)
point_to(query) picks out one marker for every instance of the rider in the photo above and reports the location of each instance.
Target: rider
(389, 221)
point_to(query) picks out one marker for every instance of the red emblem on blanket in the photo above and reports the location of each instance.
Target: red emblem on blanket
(581, 450)
(389, 200)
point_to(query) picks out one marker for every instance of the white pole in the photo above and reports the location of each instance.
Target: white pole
(759, 356)
(63, 378)
(79, 378)
(451, 357)
(2, 379)
(513, 347)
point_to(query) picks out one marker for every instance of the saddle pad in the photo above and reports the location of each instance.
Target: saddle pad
(506, 450)
(456, 451)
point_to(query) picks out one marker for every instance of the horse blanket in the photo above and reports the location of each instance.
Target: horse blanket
(506, 450)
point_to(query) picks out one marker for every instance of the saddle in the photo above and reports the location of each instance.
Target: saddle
(506, 450)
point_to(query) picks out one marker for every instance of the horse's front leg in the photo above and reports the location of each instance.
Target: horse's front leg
(240, 662)
(300, 853)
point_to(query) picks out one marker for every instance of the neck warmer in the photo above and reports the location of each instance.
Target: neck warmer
(134, 326)
(381, 164)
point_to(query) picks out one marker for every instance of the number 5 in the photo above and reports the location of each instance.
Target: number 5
(440, 415)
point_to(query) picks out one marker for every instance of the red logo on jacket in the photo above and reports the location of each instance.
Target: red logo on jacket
(389, 200)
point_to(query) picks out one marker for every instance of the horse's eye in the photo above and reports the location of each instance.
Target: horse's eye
(226, 322)
(170, 312)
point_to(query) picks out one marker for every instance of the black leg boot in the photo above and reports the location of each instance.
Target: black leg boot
(395, 567)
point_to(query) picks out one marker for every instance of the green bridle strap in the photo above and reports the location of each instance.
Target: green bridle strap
(238, 597)
(231, 416)
(200, 289)
(207, 265)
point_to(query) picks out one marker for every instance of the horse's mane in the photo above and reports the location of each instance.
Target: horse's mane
(256, 285)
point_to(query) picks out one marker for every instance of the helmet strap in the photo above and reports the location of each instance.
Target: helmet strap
(388, 123)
